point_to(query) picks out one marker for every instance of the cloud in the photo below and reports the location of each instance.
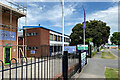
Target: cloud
(68, 0)
(110, 16)
(39, 13)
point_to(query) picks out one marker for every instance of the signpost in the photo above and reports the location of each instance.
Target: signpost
(82, 47)
(70, 49)
(7, 35)
(83, 59)
(32, 51)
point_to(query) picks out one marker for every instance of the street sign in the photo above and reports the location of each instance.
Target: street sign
(70, 49)
(7, 35)
(32, 51)
(83, 59)
(82, 47)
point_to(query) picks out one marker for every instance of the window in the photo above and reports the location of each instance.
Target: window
(35, 34)
(35, 48)
(51, 37)
(55, 48)
(26, 34)
(59, 48)
(51, 48)
(58, 38)
(55, 37)
(61, 38)
(31, 34)
(32, 48)
(64, 39)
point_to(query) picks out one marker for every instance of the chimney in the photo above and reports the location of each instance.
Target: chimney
(39, 24)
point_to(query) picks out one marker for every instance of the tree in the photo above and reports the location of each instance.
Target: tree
(115, 39)
(96, 31)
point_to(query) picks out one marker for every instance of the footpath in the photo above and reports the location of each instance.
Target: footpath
(96, 67)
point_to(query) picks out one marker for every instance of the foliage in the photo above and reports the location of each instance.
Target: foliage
(115, 39)
(96, 31)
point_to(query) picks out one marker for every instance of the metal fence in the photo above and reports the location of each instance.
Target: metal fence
(42, 67)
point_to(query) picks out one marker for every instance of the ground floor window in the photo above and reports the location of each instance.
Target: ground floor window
(55, 48)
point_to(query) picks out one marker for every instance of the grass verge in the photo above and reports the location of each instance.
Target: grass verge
(107, 55)
(111, 74)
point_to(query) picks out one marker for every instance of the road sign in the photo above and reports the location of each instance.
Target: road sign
(7, 35)
(82, 47)
(32, 51)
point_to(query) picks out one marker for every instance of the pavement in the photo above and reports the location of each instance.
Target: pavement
(96, 67)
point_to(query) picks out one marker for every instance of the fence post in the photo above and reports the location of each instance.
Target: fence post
(65, 65)
(2, 69)
(35, 68)
(26, 67)
(90, 52)
(86, 57)
(79, 61)
(16, 65)
(22, 69)
(10, 70)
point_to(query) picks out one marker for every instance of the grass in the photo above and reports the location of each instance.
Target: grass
(107, 55)
(111, 74)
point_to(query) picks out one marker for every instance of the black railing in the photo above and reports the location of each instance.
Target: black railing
(42, 66)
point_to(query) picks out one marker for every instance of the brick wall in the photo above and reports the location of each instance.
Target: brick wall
(37, 41)
(6, 20)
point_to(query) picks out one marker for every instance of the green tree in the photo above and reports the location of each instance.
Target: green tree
(115, 39)
(96, 31)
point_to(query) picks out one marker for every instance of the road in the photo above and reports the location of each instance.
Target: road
(115, 51)
(96, 67)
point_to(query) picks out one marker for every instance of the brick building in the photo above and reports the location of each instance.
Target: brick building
(8, 32)
(43, 41)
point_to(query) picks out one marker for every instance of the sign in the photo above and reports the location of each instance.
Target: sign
(7, 35)
(83, 59)
(32, 51)
(70, 49)
(82, 47)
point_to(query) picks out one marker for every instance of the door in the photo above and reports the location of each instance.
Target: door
(8, 55)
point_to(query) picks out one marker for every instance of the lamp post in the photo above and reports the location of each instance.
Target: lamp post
(62, 26)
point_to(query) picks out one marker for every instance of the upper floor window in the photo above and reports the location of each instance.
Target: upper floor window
(35, 34)
(61, 38)
(58, 38)
(32, 48)
(31, 34)
(51, 37)
(55, 37)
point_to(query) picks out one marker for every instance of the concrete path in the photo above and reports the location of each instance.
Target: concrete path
(96, 67)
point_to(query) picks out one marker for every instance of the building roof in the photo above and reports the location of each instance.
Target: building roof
(28, 27)
(19, 13)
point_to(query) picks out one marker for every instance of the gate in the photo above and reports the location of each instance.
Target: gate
(43, 66)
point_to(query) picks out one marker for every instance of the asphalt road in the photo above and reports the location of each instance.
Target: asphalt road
(115, 51)
(96, 67)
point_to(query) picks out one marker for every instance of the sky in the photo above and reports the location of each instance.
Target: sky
(49, 14)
